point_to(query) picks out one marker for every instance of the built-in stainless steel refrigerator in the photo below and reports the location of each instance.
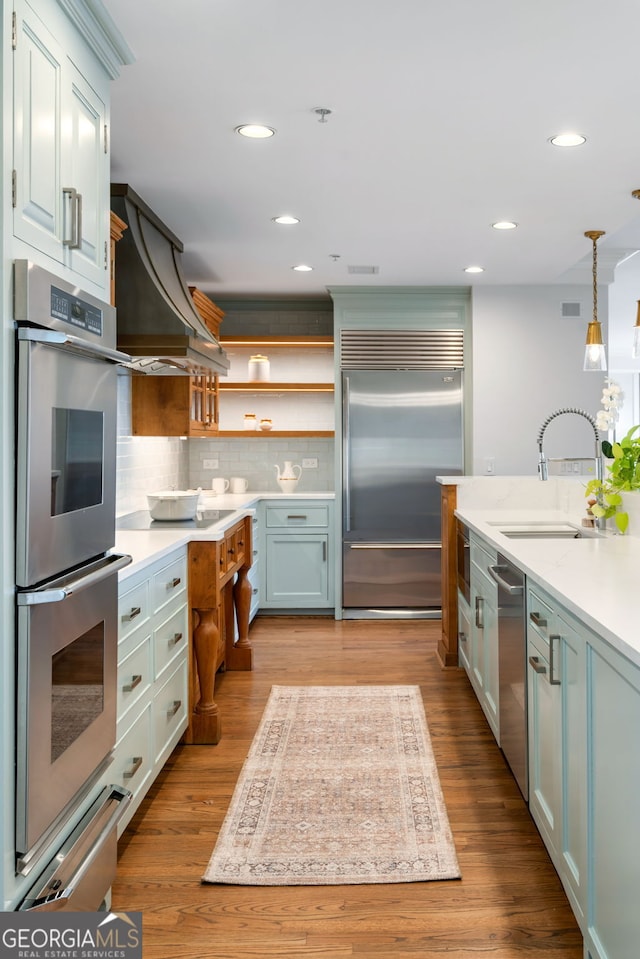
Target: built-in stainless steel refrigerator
(401, 429)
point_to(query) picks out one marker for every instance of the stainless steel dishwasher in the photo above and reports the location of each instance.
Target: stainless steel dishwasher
(512, 668)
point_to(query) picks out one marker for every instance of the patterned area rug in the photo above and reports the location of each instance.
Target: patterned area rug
(340, 786)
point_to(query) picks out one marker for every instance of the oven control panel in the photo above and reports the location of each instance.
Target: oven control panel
(77, 312)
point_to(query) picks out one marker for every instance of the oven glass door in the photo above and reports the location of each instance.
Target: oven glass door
(67, 656)
(65, 460)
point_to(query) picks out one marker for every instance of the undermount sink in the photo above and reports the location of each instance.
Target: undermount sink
(542, 530)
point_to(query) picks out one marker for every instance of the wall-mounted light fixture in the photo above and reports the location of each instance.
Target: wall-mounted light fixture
(595, 359)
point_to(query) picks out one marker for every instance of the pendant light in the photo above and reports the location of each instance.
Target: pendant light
(635, 350)
(595, 359)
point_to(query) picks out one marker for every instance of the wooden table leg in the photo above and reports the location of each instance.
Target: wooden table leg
(239, 654)
(206, 726)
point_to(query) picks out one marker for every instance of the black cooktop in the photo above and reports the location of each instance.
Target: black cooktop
(142, 520)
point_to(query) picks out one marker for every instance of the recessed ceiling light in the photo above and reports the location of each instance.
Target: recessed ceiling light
(302, 268)
(474, 269)
(256, 131)
(504, 225)
(285, 219)
(568, 140)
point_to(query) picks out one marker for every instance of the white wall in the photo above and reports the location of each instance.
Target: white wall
(527, 362)
(624, 293)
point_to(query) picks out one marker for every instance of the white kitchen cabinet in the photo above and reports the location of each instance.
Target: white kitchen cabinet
(483, 652)
(297, 557)
(60, 146)
(152, 703)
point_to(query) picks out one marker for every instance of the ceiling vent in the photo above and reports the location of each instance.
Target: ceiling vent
(571, 310)
(363, 270)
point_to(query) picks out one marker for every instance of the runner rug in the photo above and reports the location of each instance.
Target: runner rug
(340, 786)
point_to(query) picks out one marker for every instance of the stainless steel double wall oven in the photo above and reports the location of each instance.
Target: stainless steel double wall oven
(66, 588)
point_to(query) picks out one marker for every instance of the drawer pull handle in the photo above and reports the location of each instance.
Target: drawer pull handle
(462, 637)
(231, 551)
(552, 661)
(294, 516)
(255, 552)
(177, 703)
(174, 582)
(175, 639)
(537, 665)
(324, 552)
(136, 762)
(538, 620)
(241, 543)
(135, 681)
(133, 612)
(479, 612)
(254, 591)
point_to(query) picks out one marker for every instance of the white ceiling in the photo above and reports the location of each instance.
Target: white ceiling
(441, 115)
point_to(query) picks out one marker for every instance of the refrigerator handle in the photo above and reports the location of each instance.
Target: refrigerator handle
(346, 452)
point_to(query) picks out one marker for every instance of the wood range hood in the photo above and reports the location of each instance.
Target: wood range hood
(158, 324)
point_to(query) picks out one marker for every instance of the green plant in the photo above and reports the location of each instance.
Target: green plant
(623, 475)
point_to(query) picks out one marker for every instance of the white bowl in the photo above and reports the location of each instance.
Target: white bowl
(173, 504)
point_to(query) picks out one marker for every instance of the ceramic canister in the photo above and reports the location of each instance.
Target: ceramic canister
(259, 368)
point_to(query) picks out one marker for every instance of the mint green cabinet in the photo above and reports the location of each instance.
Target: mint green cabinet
(557, 683)
(613, 786)
(483, 652)
(584, 771)
(297, 555)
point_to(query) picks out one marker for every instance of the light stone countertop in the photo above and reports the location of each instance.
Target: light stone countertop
(147, 546)
(596, 579)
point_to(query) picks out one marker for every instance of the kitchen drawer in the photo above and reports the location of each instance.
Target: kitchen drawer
(134, 608)
(170, 582)
(135, 674)
(132, 763)
(170, 711)
(170, 639)
(295, 516)
(482, 555)
(539, 615)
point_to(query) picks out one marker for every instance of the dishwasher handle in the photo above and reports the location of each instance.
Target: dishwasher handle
(513, 589)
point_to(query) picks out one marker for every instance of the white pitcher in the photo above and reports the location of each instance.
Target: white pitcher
(288, 478)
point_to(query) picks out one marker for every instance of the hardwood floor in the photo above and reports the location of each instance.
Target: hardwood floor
(509, 902)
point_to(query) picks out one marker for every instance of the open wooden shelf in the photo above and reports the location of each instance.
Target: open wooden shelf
(307, 342)
(264, 433)
(268, 387)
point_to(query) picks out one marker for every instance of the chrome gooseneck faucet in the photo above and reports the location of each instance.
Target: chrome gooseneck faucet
(543, 471)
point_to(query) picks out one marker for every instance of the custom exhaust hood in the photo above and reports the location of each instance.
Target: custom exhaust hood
(158, 324)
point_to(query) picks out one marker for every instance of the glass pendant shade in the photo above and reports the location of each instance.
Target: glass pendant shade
(595, 359)
(635, 351)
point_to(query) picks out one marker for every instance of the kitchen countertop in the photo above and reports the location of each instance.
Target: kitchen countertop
(146, 546)
(595, 578)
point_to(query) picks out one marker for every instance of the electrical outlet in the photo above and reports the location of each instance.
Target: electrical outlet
(489, 465)
(210, 464)
(310, 463)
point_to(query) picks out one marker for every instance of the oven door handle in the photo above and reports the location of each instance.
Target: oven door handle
(36, 597)
(75, 343)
